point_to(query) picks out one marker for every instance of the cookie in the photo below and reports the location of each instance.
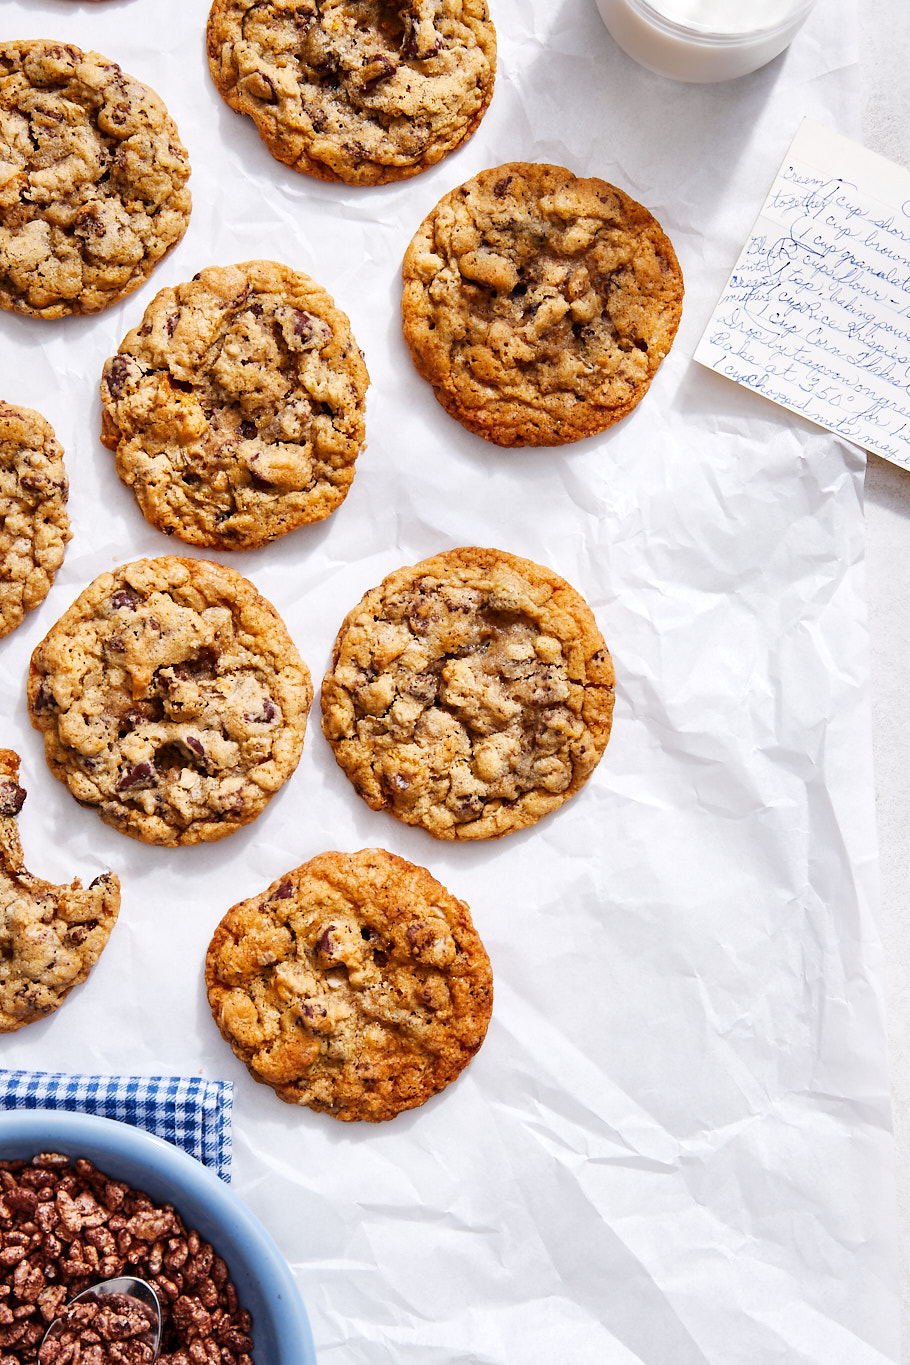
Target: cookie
(34, 526)
(362, 91)
(92, 180)
(236, 408)
(539, 305)
(356, 985)
(50, 936)
(471, 694)
(172, 699)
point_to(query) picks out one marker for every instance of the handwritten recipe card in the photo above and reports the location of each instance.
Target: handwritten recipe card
(816, 314)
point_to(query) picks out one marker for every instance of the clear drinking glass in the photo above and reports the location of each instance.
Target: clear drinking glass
(703, 40)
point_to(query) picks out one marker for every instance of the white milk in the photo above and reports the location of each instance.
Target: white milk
(703, 40)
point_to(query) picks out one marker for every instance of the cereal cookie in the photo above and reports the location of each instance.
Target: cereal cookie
(50, 936)
(92, 180)
(364, 91)
(470, 694)
(356, 985)
(236, 408)
(34, 527)
(171, 698)
(539, 305)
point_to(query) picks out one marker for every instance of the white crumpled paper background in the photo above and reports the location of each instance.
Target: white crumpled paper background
(675, 1143)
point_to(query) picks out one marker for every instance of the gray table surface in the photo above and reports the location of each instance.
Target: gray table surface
(884, 51)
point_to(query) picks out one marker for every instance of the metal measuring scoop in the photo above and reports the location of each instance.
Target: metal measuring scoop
(124, 1294)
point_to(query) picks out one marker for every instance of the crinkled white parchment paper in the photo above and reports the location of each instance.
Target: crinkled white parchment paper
(675, 1143)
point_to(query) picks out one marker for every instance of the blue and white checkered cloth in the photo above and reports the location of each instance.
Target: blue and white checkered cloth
(190, 1112)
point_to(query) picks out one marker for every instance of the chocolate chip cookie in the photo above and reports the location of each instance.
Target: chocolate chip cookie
(363, 91)
(356, 985)
(539, 305)
(236, 407)
(34, 526)
(172, 699)
(471, 694)
(50, 936)
(92, 180)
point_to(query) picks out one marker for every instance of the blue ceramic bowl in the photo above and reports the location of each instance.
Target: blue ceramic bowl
(265, 1285)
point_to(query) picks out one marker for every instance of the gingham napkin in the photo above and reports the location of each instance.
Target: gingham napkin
(190, 1112)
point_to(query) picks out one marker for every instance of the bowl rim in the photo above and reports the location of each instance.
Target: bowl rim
(169, 1174)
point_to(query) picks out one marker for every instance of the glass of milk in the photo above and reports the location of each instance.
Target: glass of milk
(703, 40)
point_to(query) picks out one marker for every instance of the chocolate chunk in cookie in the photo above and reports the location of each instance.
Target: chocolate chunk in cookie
(92, 180)
(236, 408)
(539, 305)
(363, 91)
(34, 527)
(471, 694)
(172, 699)
(50, 936)
(356, 985)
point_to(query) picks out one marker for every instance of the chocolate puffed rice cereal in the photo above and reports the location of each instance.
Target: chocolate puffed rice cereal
(65, 1225)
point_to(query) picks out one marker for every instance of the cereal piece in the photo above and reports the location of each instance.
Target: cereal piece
(237, 407)
(34, 527)
(92, 180)
(171, 698)
(539, 305)
(471, 694)
(356, 985)
(50, 936)
(356, 90)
